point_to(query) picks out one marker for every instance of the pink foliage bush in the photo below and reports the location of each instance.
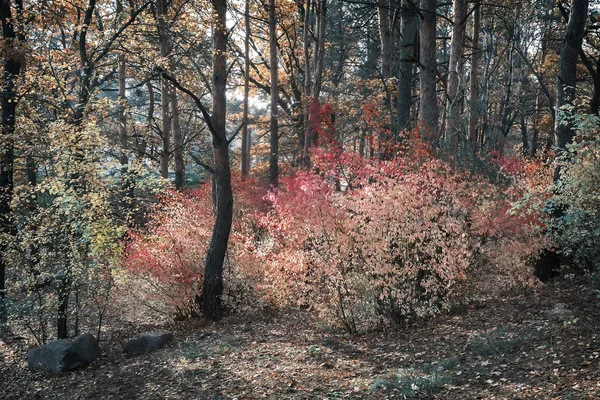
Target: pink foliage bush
(358, 241)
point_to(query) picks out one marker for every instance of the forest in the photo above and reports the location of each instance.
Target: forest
(298, 199)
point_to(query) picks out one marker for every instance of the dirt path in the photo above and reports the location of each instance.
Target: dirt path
(542, 346)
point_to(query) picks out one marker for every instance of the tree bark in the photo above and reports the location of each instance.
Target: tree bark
(567, 71)
(122, 116)
(213, 273)
(308, 134)
(549, 262)
(454, 126)
(177, 142)
(428, 115)
(405, 71)
(163, 39)
(12, 68)
(386, 35)
(274, 125)
(473, 79)
(245, 139)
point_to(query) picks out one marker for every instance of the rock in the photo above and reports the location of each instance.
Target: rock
(146, 343)
(61, 356)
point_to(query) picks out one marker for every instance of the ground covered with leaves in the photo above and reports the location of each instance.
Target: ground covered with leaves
(540, 345)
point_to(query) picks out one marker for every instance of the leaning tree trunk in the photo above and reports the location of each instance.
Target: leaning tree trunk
(274, 155)
(12, 67)
(428, 115)
(213, 273)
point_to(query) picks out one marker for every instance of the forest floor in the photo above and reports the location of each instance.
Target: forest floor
(544, 346)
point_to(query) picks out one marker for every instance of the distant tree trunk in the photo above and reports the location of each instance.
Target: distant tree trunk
(386, 34)
(122, 114)
(454, 125)
(213, 273)
(428, 115)
(274, 154)
(141, 143)
(319, 53)
(163, 39)
(473, 80)
(405, 70)
(245, 139)
(308, 135)
(524, 137)
(386, 16)
(8, 100)
(177, 142)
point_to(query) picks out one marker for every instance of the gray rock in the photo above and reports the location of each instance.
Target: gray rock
(61, 356)
(146, 343)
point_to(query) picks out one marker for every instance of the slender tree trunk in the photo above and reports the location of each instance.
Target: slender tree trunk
(213, 273)
(524, 136)
(8, 100)
(384, 11)
(245, 139)
(387, 37)
(319, 53)
(177, 142)
(122, 114)
(165, 48)
(274, 155)
(428, 115)
(595, 100)
(473, 80)
(308, 135)
(454, 125)
(506, 120)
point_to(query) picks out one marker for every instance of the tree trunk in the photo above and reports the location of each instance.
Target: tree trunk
(549, 262)
(245, 139)
(274, 155)
(308, 135)
(177, 142)
(163, 39)
(567, 70)
(213, 273)
(122, 117)
(473, 81)
(319, 53)
(454, 125)
(428, 115)
(12, 68)
(405, 70)
(386, 35)
(387, 38)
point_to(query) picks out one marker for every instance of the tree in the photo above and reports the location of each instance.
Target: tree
(11, 62)
(274, 123)
(245, 162)
(428, 113)
(213, 273)
(454, 125)
(566, 78)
